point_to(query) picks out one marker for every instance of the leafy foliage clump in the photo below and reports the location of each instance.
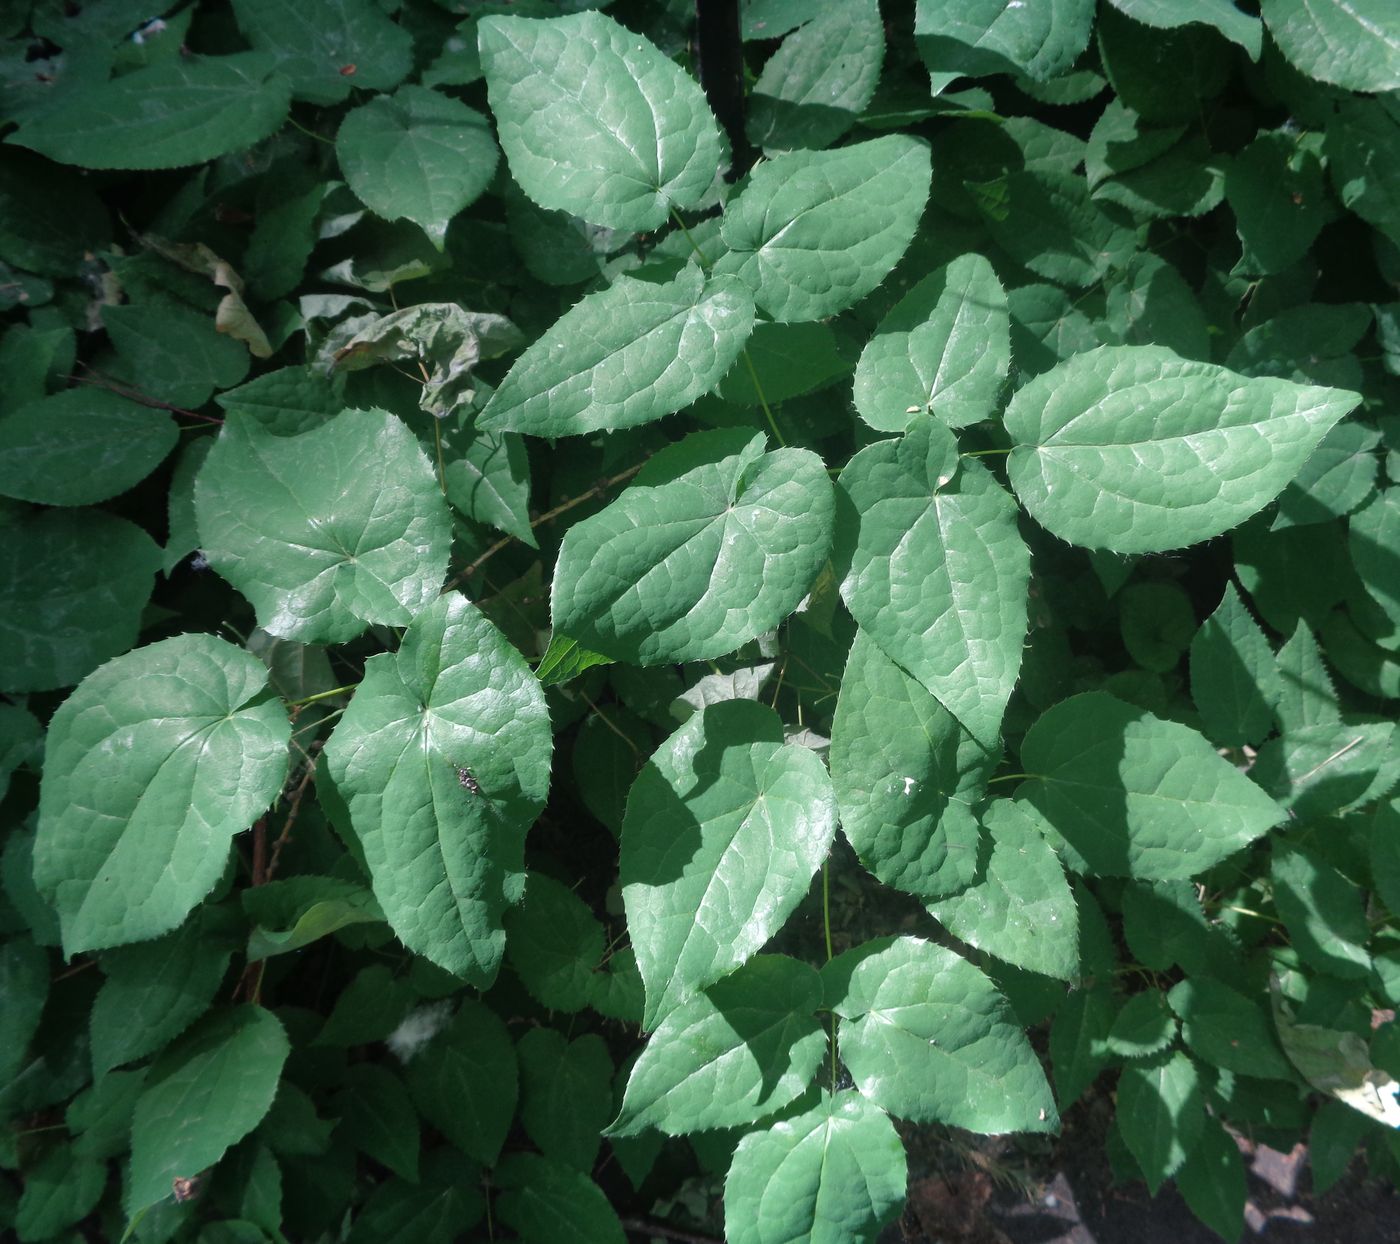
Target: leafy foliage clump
(507, 570)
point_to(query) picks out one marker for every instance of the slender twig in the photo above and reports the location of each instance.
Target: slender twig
(259, 849)
(293, 809)
(547, 517)
(142, 399)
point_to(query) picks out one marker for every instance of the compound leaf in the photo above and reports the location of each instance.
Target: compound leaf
(944, 348)
(725, 827)
(1349, 43)
(417, 154)
(595, 121)
(152, 766)
(443, 761)
(204, 1095)
(927, 1037)
(181, 111)
(624, 356)
(938, 572)
(328, 531)
(80, 446)
(1131, 795)
(326, 48)
(1020, 907)
(715, 543)
(742, 1049)
(72, 588)
(835, 1174)
(906, 775)
(813, 232)
(1133, 449)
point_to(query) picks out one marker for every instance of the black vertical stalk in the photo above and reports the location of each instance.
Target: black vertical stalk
(720, 48)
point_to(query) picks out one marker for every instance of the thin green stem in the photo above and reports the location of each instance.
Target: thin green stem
(322, 695)
(983, 453)
(1013, 777)
(826, 929)
(694, 245)
(320, 138)
(437, 443)
(763, 401)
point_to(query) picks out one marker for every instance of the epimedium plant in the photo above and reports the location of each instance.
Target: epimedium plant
(548, 694)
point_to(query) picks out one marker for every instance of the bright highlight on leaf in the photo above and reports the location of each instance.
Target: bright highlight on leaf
(1133, 449)
(446, 861)
(715, 543)
(626, 355)
(154, 763)
(328, 531)
(1131, 795)
(726, 825)
(597, 122)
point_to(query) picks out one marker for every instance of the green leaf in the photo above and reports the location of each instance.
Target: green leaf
(624, 356)
(466, 1082)
(818, 82)
(1349, 43)
(417, 154)
(595, 121)
(286, 402)
(938, 572)
(1133, 449)
(1157, 623)
(203, 1095)
(1161, 1114)
(1383, 841)
(488, 477)
(1132, 795)
(1314, 771)
(785, 360)
(1045, 220)
(1143, 1027)
(1153, 305)
(813, 232)
(328, 531)
(174, 353)
(20, 735)
(181, 111)
(725, 827)
(1235, 681)
(24, 988)
(50, 216)
(1322, 912)
(1212, 1181)
(294, 912)
(326, 48)
(1152, 171)
(1019, 906)
(155, 990)
(834, 1175)
(1338, 478)
(152, 766)
(1227, 1029)
(437, 1208)
(926, 1036)
(60, 1190)
(906, 775)
(1306, 695)
(376, 1111)
(944, 348)
(1275, 188)
(713, 544)
(80, 446)
(1363, 138)
(100, 1116)
(565, 1094)
(744, 1048)
(1077, 1035)
(554, 942)
(446, 860)
(1222, 15)
(979, 37)
(547, 1202)
(1373, 538)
